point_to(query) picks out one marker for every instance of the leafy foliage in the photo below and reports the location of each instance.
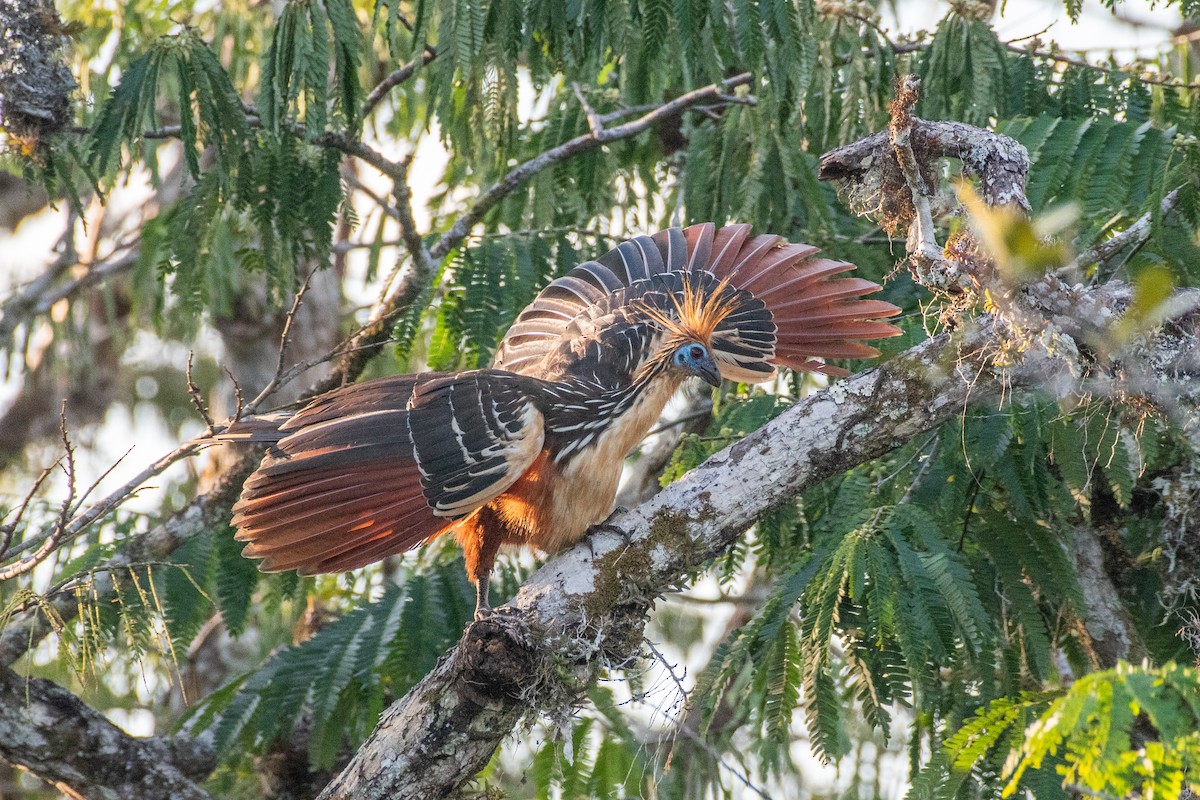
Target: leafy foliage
(1131, 729)
(338, 682)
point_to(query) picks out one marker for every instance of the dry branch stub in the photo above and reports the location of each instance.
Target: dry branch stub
(893, 177)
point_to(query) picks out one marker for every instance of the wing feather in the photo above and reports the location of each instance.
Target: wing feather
(380, 467)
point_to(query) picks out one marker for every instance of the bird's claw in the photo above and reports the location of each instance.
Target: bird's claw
(606, 526)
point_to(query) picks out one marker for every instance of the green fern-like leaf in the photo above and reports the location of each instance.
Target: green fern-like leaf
(236, 580)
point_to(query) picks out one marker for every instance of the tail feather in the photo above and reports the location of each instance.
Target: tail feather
(803, 279)
(727, 243)
(699, 242)
(847, 329)
(378, 545)
(349, 540)
(793, 352)
(825, 293)
(858, 310)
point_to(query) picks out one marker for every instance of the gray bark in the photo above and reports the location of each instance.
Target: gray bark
(59, 738)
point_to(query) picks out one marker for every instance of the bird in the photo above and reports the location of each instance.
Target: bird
(530, 451)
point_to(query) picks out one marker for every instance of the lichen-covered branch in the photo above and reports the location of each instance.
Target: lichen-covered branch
(35, 83)
(59, 738)
(586, 609)
(1110, 630)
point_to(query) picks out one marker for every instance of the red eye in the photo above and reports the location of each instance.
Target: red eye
(697, 351)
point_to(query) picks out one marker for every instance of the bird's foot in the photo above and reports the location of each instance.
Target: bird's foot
(607, 524)
(608, 527)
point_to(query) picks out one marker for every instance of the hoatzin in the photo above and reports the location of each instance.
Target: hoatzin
(531, 451)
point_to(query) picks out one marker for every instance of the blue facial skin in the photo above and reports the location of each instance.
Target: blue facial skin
(696, 360)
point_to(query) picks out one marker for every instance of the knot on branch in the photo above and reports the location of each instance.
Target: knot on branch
(35, 84)
(499, 659)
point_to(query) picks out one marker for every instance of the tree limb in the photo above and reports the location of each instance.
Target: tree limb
(580, 144)
(56, 736)
(394, 79)
(1135, 235)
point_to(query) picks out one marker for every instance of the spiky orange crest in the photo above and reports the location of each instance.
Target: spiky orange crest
(695, 312)
(691, 315)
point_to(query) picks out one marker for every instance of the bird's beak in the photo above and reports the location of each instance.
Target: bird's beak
(709, 372)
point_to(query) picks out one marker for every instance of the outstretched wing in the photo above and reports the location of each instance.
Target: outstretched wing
(811, 313)
(377, 468)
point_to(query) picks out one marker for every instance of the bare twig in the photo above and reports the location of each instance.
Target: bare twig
(277, 379)
(594, 124)
(10, 528)
(1125, 72)
(55, 535)
(703, 413)
(693, 736)
(1026, 38)
(684, 694)
(239, 397)
(194, 393)
(394, 79)
(357, 185)
(622, 113)
(930, 265)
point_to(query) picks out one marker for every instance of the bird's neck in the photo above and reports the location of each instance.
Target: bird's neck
(586, 415)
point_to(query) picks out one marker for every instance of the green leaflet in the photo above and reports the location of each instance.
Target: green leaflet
(1088, 730)
(345, 671)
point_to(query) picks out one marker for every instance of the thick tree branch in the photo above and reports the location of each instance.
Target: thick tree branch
(59, 738)
(888, 176)
(1109, 627)
(37, 297)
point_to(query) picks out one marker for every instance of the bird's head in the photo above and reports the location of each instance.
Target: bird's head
(694, 359)
(689, 314)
